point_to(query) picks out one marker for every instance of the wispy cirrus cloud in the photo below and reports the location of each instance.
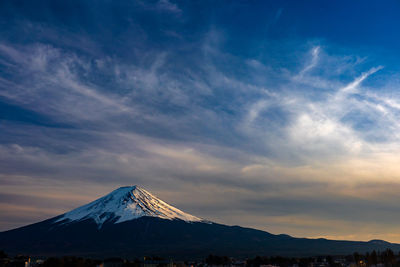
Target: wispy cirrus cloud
(283, 138)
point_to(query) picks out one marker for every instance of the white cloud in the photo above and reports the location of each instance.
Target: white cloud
(224, 138)
(351, 87)
(313, 62)
(168, 6)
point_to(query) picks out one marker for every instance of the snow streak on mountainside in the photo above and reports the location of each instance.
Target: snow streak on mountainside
(124, 204)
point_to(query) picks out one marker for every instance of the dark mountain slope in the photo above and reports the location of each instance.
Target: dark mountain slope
(168, 238)
(130, 222)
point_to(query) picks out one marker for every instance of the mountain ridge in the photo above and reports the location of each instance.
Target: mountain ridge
(150, 226)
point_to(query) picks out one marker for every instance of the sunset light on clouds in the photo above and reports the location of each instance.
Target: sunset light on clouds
(246, 113)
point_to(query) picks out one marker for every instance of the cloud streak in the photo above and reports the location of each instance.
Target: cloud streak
(299, 142)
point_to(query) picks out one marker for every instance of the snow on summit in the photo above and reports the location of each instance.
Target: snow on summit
(124, 204)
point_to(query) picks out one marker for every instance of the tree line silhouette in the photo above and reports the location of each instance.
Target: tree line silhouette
(386, 258)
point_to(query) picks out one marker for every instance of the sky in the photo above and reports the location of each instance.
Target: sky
(277, 115)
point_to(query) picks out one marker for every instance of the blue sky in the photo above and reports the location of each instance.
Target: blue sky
(279, 115)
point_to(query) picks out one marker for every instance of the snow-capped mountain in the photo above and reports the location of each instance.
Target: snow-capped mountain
(130, 222)
(125, 204)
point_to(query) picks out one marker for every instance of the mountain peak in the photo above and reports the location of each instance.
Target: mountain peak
(131, 187)
(124, 204)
